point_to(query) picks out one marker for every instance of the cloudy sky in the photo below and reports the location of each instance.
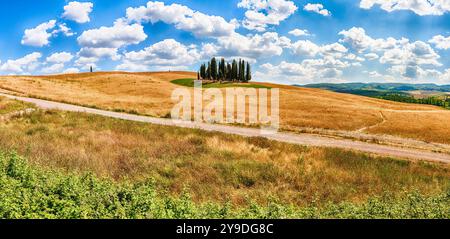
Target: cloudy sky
(288, 41)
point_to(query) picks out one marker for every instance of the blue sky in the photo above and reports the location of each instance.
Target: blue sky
(300, 41)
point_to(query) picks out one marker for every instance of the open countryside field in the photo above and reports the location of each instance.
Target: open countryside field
(254, 110)
(301, 109)
(60, 147)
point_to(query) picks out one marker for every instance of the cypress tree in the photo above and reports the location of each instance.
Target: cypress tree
(229, 72)
(219, 71)
(248, 76)
(214, 69)
(234, 71)
(236, 74)
(208, 71)
(243, 71)
(203, 71)
(225, 71)
(222, 69)
(239, 71)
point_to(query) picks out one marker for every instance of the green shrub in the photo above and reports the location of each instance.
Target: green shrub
(30, 192)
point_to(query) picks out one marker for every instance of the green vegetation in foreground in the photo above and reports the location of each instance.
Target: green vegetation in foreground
(28, 192)
(10, 106)
(190, 83)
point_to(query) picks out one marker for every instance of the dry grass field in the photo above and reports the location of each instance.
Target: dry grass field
(10, 106)
(215, 167)
(303, 110)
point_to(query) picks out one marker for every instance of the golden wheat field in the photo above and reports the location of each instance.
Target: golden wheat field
(301, 109)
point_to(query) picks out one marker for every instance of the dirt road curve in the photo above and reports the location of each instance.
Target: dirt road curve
(301, 139)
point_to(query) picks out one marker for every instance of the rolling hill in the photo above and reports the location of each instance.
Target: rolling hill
(305, 110)
(379, 89)
(381, 86)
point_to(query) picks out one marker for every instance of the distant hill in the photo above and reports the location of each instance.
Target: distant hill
(377, 89)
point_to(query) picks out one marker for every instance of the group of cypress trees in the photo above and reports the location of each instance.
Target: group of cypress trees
(236, 71)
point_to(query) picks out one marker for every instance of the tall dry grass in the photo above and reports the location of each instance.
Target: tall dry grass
(214, 166)
(429, 126)
(10, 106)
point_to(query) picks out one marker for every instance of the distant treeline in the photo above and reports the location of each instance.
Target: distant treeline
(438, 101)
(384, 87)
(236, 71)
(390, 91)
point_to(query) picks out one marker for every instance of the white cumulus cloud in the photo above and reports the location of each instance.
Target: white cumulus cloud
(183, 18)
(120, 34)
(317, 8)
(262, 13)
(60, 57)
(106, 41)
(55, 68)
(410, 60)
(299, 32)
(252, 46)
(166, 52)
(371, 56)
(445, 77)
(416, 53)
(62, 27)
(420, 7)
(441, 42)
(39, 36)
(307, 71)
(357, 39)
(71, 70)
(22, 65)
(309, 49)
(100, 52)
(78, 11)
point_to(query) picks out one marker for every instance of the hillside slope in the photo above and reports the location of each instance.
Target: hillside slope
(301, 109)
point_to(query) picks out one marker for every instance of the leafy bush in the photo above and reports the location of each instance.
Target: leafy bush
(30, 192)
